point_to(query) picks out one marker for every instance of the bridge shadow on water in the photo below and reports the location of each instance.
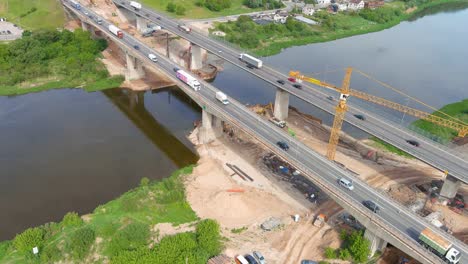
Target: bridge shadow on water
(132, 105)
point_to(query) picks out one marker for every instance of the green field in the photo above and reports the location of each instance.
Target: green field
(121, 231)
(195, 12)
(48, 14)
(457, 110)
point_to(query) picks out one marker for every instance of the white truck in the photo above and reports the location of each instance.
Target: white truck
(439, 246)
(116, 31)
(222, 98)
(250, 60)
(75, 4)
(277, 122)
(188, 79)
(184, 28)
(135, 5)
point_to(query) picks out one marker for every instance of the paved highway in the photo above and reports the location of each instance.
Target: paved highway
(321, 171)
(395, 134)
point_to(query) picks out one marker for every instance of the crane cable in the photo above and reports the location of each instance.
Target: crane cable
(409, 96)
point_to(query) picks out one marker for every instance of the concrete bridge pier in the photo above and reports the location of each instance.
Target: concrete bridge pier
(141, 23)
(450, 187)
(281, 104)
(376, 243)
(85, 26)
(126, 15)
(134, 68)
(210, 129)
(196, 62)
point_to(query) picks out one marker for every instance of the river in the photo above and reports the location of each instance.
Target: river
(68, 150)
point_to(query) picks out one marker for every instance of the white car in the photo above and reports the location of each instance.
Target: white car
(152, 57)
(346, 184)
(259, 257)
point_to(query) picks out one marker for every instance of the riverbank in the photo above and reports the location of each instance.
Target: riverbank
(152, 223)
(270, 39)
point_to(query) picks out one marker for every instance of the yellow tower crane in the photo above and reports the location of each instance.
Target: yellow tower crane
(341, 109)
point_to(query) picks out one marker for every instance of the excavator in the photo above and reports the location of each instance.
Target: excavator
(342, 108)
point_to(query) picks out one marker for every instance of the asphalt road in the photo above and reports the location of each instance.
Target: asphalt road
(323, 171)
(393, 133)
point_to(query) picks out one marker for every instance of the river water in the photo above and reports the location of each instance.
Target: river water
(68, 150)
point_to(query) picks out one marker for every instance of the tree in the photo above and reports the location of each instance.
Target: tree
(80, 242)
(358, 246)
(180, 10)
(171, 7)
(71, 219)
(26, 241)
(208, 237)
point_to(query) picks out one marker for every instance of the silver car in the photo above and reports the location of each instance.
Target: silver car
(259, 257)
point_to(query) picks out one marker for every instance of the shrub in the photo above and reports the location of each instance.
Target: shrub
(180, 10)
(208, 237)
(330, 253)
(344, 254)
(71, 219)
(131, 237)
(80, 242)
(32, 237)
(144, 182)
(358, 246)
(217, 5)
(171, 7)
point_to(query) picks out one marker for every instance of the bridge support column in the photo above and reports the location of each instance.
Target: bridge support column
(85, 26)
(281, 104)
(141, 23)
(376, 243)
(211, 128)
(196, 62)
(450, 187)
(125, 15)
(134, 68)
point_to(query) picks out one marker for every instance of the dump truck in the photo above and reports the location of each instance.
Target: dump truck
(116, 31)
(251, 60)
(439, 246)
(75, 4)
(188, 79)
(319, 220)
(135, 5)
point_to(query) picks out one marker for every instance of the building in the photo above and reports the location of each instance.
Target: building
(342, 6)
(374, 4)
(308, 10)
(323, 3)
(305, 20)
(355, 4)
(280, 18)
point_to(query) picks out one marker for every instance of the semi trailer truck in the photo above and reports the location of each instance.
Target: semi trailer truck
(116, 31)
(439, 246)
(188, 79)
(250, 60)
(135, 5)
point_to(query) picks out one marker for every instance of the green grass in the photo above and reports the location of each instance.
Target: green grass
(238, 230)
(155, 202)
(196, 12)
(388, 147)
(458, 110)
(49, 13)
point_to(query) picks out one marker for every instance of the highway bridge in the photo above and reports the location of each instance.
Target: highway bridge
(393, 223)
(429, 152)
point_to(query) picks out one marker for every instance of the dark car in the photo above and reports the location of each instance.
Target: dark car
(250, 66)
(306, 261)
(158, 18)
(280, 82)
(283, 145)
(250, 259)
(136, 47)
(413, 142)
(330, 98)
(372, 206)
(360, 117)
(298, 86)
(176, 69)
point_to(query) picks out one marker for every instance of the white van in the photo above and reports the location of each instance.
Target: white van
(152, 57)
(241, 260)
(222, 98)
(346, 184)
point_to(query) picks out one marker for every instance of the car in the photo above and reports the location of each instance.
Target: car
(291, 79)
(158, 18)
(153, 57)
(2, 19)
(330, 98)
(86, 13)
(297, 86)
(283, 145)
(250, 259)
(306, 261)
(175, 69)
(371, 206)
(220, 51)
(136, 47)
(346, 184)
(250, 66)
(280, 82)
(259, 257)
(413, 142)
(360, 117)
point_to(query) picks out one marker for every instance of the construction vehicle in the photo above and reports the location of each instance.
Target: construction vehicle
(342, 108)
(439, 246)
(319, 220)
(277, 122)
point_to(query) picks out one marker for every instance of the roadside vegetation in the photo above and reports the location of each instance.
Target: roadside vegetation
(354, 247)
(33, 14)
(121, 231)
(378, 143)
(48, 59)
(265, 40)
(458, 110)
